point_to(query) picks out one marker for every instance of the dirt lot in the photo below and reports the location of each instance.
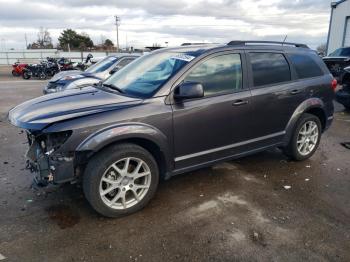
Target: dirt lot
(235, 211)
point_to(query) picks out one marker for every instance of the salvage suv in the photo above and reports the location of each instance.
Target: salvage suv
(176, 110)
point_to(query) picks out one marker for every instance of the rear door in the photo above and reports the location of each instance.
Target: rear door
(211, 127)
(275, 94)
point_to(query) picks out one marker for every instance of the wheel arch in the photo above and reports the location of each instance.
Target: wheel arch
(148, 137)
(314, 106)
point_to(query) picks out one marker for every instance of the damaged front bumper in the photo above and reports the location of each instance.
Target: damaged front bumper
(45, 160)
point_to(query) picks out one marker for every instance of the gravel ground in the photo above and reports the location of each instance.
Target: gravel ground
(234, 211)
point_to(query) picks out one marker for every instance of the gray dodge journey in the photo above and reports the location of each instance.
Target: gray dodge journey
(176, 110)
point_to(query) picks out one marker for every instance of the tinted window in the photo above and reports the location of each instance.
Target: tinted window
(269, 68)
(219, 74)
(305, 66)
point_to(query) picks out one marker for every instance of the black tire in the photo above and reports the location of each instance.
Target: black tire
(26, 75)
(291, 150)
(101, 162)
(14, 73)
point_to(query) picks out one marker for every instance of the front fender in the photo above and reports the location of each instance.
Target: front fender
(124, 131)
(302, 108)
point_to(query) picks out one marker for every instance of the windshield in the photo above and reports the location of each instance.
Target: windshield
(341, 52)
(144, 76)
(102, 65)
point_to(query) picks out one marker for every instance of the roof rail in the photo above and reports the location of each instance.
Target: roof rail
(238, 43)
(186, 44)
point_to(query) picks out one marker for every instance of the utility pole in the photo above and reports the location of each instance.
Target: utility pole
(126, 41)
(117, 21)
(25, 37)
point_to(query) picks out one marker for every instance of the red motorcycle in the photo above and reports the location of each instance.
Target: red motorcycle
(17, 69)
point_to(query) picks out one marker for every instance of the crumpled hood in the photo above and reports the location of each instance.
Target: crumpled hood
(39, 112)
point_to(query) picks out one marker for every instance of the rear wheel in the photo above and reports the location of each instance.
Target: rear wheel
(120, 180)
(14, 73)
(305, 138)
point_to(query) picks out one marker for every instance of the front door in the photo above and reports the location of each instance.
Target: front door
(212, 127)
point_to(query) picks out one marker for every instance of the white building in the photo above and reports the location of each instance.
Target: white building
(339, 26)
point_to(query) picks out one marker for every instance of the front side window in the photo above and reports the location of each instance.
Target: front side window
(220, 74)
(269, 68)
(305, 66)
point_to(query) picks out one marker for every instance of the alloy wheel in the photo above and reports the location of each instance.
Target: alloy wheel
(125, 183)
(307, 138)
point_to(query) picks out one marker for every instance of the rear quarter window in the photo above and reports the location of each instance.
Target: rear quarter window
(269, 68)
(305, 66)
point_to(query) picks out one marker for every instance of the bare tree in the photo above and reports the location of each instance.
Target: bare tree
(322, 49)
(44, 38)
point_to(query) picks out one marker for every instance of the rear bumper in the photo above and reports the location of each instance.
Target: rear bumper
(329, 122)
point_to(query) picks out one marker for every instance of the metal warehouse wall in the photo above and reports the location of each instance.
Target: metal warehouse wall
(337, 30)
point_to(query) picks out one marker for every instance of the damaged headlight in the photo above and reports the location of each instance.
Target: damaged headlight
(50, 142)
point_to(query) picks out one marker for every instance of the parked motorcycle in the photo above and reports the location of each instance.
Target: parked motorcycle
(52, 66)
(84, 65)
(65, 64)
(35, 70)
(17, 68)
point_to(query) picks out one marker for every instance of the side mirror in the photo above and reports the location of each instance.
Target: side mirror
(189, 90)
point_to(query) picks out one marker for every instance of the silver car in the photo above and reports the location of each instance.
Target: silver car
(95, 73)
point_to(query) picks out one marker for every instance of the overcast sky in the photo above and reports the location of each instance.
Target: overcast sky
(144, 22)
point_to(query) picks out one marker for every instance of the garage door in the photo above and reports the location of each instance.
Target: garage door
(347, 33)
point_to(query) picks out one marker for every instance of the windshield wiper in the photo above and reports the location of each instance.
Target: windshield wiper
(113, 87)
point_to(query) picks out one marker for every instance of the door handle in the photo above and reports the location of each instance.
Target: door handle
(240, 102)
(295, 91)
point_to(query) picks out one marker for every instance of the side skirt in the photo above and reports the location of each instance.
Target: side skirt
(212, 162)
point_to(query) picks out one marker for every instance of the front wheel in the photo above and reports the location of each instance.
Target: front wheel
(26, 75)
(42, 76)
(305, 138)
(120, 180)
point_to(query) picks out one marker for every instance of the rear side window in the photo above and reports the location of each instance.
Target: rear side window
(220, 74)
(305, 66)
(269, 68)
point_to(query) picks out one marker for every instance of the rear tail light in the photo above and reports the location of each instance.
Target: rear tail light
(334, 84)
